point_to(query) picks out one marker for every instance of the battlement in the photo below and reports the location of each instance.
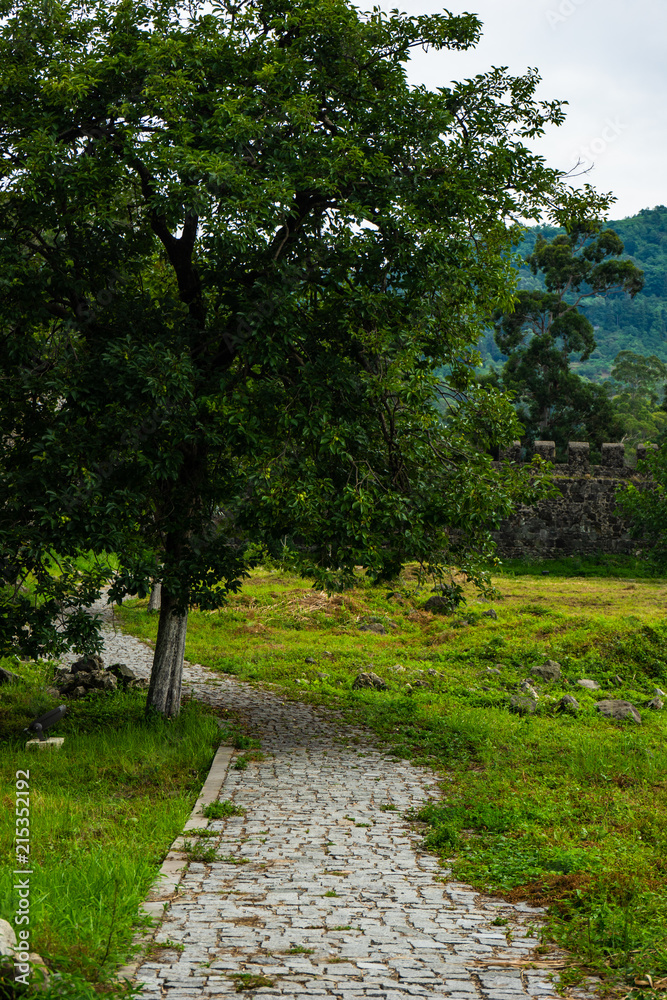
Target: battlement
(583, 519)
(578, 457)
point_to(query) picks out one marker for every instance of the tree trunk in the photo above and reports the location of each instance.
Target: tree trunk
(164, 692)
(155, 598)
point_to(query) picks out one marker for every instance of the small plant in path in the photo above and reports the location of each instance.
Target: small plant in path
(244, 981)
(220, 810)
(244, 759)
(197, 852)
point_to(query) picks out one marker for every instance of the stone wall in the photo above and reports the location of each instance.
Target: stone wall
(583, 519)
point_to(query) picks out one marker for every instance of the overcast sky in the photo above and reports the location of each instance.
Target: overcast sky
(607, 58)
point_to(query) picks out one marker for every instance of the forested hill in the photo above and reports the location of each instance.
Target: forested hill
(621, 323)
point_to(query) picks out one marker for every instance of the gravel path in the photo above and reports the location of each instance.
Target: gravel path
(323, 892)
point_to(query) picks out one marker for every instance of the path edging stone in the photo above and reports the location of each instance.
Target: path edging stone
(174, 865)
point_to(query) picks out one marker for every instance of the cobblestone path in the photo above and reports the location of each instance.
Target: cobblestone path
(323, 891)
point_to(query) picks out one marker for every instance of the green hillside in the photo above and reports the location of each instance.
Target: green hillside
(620, 323)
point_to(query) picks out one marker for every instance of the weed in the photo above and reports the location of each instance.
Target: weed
(200, 853)
(241, 742)
(155, 947)
(499, 922)
(241, 762)
(220, 810)
(299, 950)
(245, 981)
(331, 892)
(233, 859)
(388, 807)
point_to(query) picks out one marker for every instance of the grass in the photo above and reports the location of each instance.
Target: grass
(104, 811)
(220, 810)
(245, 981)
(561, 810)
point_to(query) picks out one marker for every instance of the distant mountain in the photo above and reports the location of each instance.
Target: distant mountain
(620, 323)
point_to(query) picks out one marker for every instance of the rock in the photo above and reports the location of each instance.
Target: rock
(655, 704)
(321, 676)
(529, 689)
(421, 684)
(7, 677)
(87, 664)
(367, 679)
(302, 680)
(122, 673)
(408, 689)
(438, 605)
(54, 692)
(568, 704)
(589, 685)
(545, 572)
(310, 659)
(618, 710)
(7, 939)
(141, 682)
(398, 669)
(489, 614)
(522, 705)
(549, 671)
(493, 670)
(617, 680)
(78, 692)
(658, 693)
(373, 627)
(432, 672)
(40, 972)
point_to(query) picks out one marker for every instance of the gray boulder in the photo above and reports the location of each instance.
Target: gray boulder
(490, 614)
(373, 627)
(87, 664)
(568, 704)
(522, 705)
(655, 704)
(7, 939)
(368, 679)
(618, 710)
(589, 685)
(528, 688)
(438, 605)
(549, 671)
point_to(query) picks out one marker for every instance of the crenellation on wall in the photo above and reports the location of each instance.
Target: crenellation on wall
(583, 519)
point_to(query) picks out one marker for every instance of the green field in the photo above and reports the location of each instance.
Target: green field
(104, 811)
(563, 810)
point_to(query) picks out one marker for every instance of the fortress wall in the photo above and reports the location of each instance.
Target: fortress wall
(583, 519)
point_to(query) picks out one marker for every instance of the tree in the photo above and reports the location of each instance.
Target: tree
(637, 390)
(545, 330)
(644, 504)
(235, 248)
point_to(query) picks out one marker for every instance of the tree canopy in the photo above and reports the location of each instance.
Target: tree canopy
(236, 247)
(545, 330)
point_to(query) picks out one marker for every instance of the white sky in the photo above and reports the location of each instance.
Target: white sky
(607, 58)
